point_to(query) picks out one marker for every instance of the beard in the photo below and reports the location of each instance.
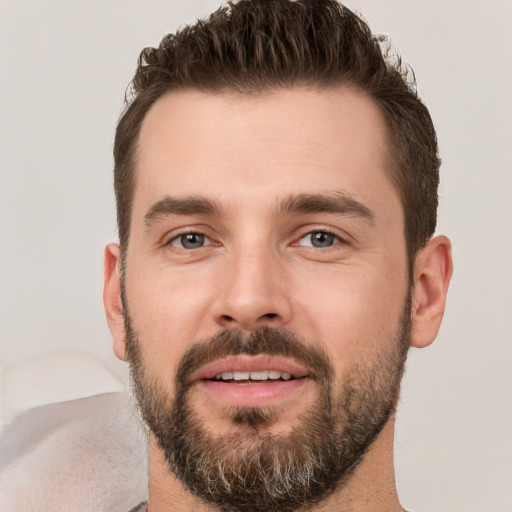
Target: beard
(251, 469)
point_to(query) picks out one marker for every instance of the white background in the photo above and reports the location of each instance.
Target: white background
(64, 67)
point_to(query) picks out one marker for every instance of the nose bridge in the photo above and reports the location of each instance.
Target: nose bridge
(253, 291)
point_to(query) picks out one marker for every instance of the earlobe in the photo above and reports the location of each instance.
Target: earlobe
(432, 272)
(112, 300)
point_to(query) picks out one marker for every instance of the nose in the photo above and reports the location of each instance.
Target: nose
(253, 291)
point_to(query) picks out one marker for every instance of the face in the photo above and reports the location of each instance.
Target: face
(265, 284)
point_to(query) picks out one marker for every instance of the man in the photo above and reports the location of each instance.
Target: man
(276, 181)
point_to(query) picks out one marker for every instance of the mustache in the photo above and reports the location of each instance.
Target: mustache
(262, 341)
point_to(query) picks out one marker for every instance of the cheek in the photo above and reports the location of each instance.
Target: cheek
(354, 313)
(168, 311)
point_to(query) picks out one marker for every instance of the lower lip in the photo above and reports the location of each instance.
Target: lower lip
(257, 394)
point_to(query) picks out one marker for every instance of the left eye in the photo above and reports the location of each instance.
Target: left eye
(190, 241)
(319, 239)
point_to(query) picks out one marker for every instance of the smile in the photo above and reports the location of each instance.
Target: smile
(256, 376)
(252, 381)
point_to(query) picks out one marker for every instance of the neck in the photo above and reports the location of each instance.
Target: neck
(371, 487)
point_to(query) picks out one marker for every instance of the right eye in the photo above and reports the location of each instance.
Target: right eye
(190, 241)
(319, 239)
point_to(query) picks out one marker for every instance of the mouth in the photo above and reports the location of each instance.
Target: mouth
(252, 381)
(253, 377)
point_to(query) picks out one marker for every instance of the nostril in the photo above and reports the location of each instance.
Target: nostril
(229, 320)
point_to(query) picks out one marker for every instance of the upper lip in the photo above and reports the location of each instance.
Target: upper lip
(246, 363)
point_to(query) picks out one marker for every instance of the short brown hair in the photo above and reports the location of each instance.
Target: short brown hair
(255, 46)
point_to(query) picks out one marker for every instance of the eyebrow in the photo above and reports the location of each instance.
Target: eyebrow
(339, 203)
(191, 205)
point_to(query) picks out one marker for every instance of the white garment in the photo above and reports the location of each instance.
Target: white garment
(85, 455)
(141, 507)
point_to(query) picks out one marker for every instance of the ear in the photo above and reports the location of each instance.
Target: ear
(112, 299)
(432, 272)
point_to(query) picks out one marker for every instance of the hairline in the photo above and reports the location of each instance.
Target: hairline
(391, 163)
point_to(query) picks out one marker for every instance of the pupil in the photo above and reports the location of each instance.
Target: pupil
(192, 240)
(322, 239)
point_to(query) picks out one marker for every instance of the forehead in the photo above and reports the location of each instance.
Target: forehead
(284, 142)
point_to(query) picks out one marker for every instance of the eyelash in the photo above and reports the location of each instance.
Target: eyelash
(337, 239)
(184, 234)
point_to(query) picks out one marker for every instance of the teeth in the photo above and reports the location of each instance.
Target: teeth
(263, 375)
(259, 375)
(224, 376)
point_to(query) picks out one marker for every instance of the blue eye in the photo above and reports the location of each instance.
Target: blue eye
(190, 241)
(319, 239)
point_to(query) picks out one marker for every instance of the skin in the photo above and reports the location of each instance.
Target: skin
(247, 156)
